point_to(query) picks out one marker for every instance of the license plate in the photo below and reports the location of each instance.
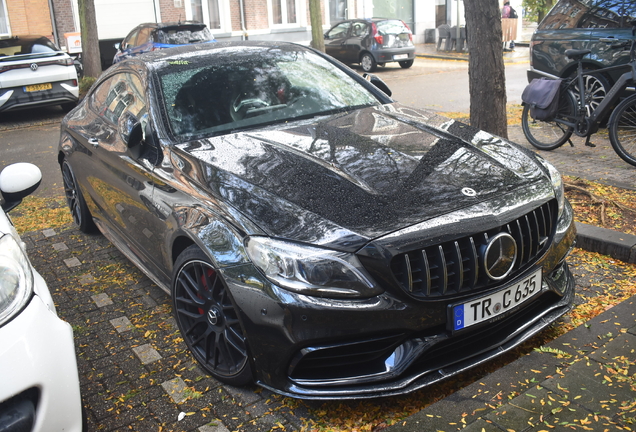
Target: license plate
(38, 87)
(488, 307)
(400, 56)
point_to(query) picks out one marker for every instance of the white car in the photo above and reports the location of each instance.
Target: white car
(34, 72)
(39, 385)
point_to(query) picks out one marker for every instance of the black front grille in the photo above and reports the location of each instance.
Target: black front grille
(456, 267)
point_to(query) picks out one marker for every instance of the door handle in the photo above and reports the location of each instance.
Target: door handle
(93, 141)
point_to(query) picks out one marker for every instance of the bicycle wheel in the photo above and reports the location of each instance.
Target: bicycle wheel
(622, 130)
(548, 135)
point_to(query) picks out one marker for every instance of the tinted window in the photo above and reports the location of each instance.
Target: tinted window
(339, 31)
(571, 14)
(237, 89)
(182, 36)
(15, 46)
(144, 36)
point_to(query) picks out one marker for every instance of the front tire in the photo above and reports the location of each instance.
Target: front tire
(75, 200)
(368, 63)
(405, 64)
(549, 135)
(208, 319)
(622, 130)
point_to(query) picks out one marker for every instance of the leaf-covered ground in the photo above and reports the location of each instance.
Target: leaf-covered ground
(603, 283)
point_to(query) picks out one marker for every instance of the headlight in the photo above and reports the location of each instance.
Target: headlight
(16, 278)
(557, 182)
(310, 270)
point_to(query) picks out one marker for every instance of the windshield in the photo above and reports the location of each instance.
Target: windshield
(239, 88)
(183, 36)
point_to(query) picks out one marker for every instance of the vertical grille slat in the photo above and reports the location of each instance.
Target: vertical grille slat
(453, 267)
(427, 273)
(409, 273)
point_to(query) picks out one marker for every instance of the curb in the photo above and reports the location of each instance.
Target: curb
(618, 245)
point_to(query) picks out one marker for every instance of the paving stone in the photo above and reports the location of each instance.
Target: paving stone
(59, 247)
(146, 353)
(72, 262)
(176, 389)
(213, 426)
(86, 279)
(50, 232)
(243, 395)
(623, 345)
(122, 324)
(102, 300)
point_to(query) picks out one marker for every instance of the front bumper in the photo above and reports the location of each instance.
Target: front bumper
(16, 98)
(39, 378)
(317, 348)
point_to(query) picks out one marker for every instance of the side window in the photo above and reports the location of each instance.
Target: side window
(144, 36)
(130, 40)
(359, 29)
(608, 14)
(339, 31)
(120, 93)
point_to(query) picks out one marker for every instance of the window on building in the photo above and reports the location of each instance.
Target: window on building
(284, 11)
(4, 19)
(210, 7)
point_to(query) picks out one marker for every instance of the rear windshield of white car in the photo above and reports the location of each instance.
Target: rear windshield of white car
(22, 46)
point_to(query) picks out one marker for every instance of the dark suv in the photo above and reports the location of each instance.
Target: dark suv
(154, 36)
(599, 25)
(371, 42)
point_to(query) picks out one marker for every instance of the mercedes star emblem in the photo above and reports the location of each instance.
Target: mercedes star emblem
(500, 256)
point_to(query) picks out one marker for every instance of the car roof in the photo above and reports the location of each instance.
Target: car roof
(175, 24)
(176, 53)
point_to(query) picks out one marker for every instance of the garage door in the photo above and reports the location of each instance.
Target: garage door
(115, 18)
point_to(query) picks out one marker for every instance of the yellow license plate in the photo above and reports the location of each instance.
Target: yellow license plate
(38, 87)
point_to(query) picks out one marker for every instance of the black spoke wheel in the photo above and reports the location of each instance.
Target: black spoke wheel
(622, 130)
(208, 319)
(548, 135)
(79, 211)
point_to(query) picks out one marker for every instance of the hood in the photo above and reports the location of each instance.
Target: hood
(355, 176)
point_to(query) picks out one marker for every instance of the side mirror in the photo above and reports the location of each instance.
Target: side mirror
(131, 133)
(376, 81)
(117, 46)
(18, 181)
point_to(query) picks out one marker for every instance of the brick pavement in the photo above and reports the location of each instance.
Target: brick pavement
(135, 370)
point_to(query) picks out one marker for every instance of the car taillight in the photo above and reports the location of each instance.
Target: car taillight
(410, 32)
(378, 37)
(66, 61)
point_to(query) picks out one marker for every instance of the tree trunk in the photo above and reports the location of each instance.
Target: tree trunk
(91, 59)
(317, 38)
(486, 72)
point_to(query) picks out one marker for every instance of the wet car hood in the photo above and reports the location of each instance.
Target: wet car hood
(347, 178)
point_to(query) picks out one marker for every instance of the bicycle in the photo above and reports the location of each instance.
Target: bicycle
(575, 115)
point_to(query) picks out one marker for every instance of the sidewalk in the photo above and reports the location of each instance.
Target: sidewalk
(520, 53)
(564, 385)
